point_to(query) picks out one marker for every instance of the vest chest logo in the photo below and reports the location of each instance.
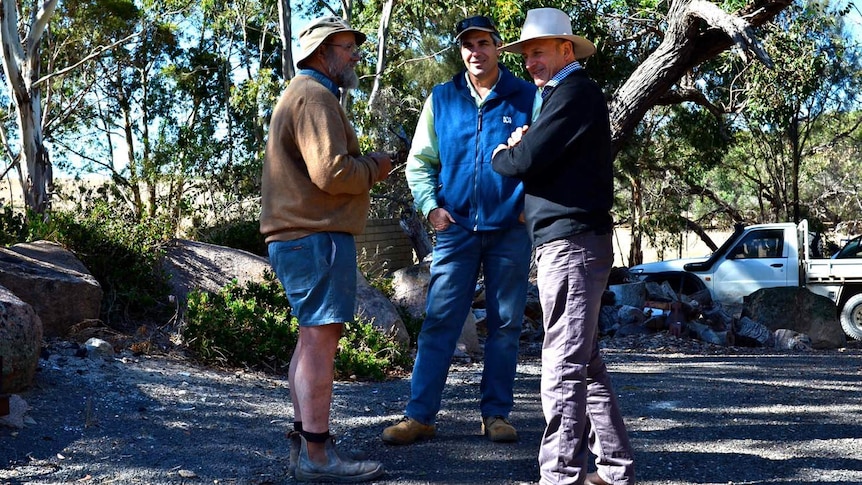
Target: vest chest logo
(507, 120)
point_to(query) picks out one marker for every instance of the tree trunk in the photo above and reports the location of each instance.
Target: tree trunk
(284, 31)
(128, 131)
(636, 255)
(382, 39)
(21, 65)
(412, 225)
(697, 31)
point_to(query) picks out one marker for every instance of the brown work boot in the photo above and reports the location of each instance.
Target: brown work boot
(498, 430)
(337, 468)
(407, 431)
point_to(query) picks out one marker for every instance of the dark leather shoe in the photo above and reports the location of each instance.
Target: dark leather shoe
(594, 479)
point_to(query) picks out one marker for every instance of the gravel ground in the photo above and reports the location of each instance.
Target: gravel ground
(696, 415)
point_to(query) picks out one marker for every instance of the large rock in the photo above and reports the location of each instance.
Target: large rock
(630, 294)
(195, 265)
(20, 341)
(800, 310)
(410, 286)
(54, 282)
(373, 306)
(51, 252)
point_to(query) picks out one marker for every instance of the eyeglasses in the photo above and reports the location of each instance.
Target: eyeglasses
(352, 48)
(477, 22)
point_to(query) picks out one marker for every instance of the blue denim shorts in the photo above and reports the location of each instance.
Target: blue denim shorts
(318, 273)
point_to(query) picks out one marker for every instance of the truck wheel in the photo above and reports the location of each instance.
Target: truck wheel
(851, 317)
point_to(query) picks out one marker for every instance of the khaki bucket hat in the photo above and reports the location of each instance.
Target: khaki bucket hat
(550, 23)
(318, 31)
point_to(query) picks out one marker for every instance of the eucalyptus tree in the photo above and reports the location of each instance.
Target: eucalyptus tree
(177, 117)
(48, 77)
(791, 109)
(22, 63)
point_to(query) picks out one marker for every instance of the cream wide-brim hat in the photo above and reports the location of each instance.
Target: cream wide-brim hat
(550, 23)
(318, 31)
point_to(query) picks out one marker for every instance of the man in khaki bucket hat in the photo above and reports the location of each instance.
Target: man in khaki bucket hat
(564, 159)
(314, 199)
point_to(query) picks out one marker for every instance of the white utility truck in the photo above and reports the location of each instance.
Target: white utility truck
(768, 256)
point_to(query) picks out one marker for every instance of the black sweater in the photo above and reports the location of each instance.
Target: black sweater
(565, 162)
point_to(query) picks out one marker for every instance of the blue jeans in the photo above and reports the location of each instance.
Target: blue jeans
(504, 257)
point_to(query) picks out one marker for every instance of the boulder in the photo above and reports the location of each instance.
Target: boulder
(410, 286)
(57, 285)
(194, 265)
(20, 342)
(51, 252)
(630, 294)
(799, 310)
(373, 306)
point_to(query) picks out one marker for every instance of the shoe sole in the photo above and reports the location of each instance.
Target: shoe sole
(503, 440)
(395, 441)
(328, 477)
(508, 439)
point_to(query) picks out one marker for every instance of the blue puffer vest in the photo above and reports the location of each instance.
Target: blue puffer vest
(477, 197)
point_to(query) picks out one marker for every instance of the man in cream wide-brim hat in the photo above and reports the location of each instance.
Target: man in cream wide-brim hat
(564, 160)
(550, 23)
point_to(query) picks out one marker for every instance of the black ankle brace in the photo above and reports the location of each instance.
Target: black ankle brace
(297, 426)
(315, 437)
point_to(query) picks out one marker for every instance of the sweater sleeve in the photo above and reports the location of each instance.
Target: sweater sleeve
(330, 149)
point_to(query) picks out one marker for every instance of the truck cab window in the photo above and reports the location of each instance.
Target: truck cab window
(760, 244)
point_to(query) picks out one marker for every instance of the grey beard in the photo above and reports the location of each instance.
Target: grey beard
(346, 77)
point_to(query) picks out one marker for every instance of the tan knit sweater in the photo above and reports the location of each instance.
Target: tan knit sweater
(314, 179)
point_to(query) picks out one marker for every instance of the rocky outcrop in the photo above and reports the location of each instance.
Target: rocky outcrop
(54, 282)
(194, 265)
(373, 306)
(799, 310)
(20, 341)
(411, 288)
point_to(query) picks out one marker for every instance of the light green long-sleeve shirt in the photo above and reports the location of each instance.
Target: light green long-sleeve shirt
(423, 161)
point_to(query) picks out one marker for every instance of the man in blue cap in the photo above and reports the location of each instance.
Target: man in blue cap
(476, 215)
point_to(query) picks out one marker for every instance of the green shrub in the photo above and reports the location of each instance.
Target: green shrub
(248, 325)
(364, 352)
(123, 254)
(252, 325)
(411, 323)
(13, 227)
(240, 234)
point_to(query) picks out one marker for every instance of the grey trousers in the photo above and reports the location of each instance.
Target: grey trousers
(578, 401)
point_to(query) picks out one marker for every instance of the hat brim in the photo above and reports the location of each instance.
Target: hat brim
(483, 29)
(360, 38)
(583, 47)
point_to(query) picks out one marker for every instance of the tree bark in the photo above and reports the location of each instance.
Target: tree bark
(697, 31)
(382, 39)
(284, 31)
(21, 65)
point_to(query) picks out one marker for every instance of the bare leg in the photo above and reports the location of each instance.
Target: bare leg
(313, 370)
(291, 378)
